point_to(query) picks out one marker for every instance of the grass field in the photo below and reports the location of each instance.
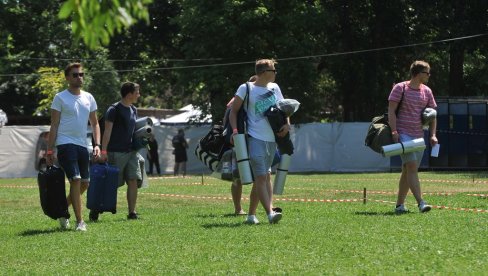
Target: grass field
(189, 228)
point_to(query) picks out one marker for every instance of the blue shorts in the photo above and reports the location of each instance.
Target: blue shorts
(75, 161)
(411, 156)
(261, 154)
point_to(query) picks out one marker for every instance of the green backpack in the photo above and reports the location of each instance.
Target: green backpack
(379, 133)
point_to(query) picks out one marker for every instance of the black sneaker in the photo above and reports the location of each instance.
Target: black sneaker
(132, 216)
(277, 210)
(93, 215)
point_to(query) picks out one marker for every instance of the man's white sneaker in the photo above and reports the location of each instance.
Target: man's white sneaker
(424, 207)
(274, 217)
(81, 226)
(252, 219)
(64, 223)
(400, 209)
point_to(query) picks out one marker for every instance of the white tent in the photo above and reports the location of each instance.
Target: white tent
(190, 114)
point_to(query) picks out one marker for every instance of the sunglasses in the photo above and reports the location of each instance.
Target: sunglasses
(270, 70)
(428, 74)
(75, 75)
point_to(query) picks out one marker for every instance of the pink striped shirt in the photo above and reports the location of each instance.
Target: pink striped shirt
(410, 109)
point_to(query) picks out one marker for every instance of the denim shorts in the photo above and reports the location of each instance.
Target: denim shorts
(261, 154)
(75, 161)
(128, 164)
(411, 156)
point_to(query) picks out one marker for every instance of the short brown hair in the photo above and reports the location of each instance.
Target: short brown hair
(264, 64)
(128, 87)
(417, 67)
(71, 66)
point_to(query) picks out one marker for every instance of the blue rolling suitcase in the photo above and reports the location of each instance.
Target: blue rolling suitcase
(52, 192)
(102, 192)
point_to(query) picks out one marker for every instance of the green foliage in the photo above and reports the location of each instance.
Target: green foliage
(51, 81)
(339, 59)
(33, 39)
(102, 81)
(96, 21)
(189, 228)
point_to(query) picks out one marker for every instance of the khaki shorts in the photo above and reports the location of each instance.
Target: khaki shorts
(128, 164)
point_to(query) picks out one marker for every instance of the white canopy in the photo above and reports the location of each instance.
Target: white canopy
(190, 114)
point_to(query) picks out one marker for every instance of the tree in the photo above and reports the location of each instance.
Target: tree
(102, 81)
(50, 82)
(144, 51)
(22, 52)
(190, 51)
(97, 20)
(238, 33)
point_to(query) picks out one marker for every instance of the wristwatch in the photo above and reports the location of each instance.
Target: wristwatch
(98, 145)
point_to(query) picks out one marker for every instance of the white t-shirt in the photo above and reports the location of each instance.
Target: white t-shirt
(260, 99)
(75, 111)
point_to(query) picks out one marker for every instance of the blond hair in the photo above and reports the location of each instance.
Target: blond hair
(264, 64)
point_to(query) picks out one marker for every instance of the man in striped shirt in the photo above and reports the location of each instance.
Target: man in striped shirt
(405, 105)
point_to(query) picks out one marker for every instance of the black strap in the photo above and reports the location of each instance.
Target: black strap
(247, 92)
(401, 100)
(246, 99)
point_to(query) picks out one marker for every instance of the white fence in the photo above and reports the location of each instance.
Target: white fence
(328, 147)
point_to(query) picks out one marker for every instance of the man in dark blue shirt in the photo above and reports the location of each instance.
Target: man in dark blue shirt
(120, 124)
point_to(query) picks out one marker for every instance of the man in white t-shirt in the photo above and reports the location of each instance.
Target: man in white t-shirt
(70, 112)
(263, 93)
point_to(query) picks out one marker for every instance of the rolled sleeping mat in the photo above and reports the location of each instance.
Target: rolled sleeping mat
(403, 147)
(281, 172)
(144, 131)
(144, 121)
(240, 147)
(144, 183)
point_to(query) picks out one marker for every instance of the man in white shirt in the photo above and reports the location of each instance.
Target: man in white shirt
(70, 112)
(263, 93)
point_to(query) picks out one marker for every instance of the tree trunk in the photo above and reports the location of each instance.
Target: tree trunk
(456, 72)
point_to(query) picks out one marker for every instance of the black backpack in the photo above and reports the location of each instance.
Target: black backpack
(241, 119)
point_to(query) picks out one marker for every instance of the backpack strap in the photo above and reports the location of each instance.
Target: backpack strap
(246, 99)
(401, 100)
